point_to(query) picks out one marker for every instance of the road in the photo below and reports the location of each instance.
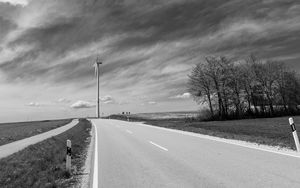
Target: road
(131, 155)
(8, 149)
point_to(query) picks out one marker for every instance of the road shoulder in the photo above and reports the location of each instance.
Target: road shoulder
(87, 180)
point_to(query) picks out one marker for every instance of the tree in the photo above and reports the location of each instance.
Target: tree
(282, 84)
(200, 85)
(248, 81)
(215, 72)
(235, 85)
(265, 73)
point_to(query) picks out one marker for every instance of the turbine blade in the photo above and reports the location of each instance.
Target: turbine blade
(96, 72)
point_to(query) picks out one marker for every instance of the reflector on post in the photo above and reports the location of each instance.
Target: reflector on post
(294, 132)
(68, 156)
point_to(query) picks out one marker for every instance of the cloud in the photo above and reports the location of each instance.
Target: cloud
(181, 96)
(16, 2)
(107, 99)
(34, 104)
(152, 102)
(146, 46)
(82, 104)
(63, 100)
(6, 26)
(139, 34)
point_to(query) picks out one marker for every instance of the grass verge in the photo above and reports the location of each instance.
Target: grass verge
(43, 164)
(268, 131)
(10, 132)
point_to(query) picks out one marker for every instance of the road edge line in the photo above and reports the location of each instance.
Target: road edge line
(95, 169)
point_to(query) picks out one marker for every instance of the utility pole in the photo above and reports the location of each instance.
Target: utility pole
(98, 63)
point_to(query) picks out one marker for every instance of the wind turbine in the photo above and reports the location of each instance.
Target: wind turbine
(97, 67)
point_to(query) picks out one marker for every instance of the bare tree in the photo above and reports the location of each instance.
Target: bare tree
(215, 73)
(282, 84)
(249, 82)
(266, 76)
(200, 85)
(237, 85)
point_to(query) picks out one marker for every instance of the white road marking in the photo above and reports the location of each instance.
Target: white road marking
(227, 141)
(95, 173)
(130, 132)
(163, 148)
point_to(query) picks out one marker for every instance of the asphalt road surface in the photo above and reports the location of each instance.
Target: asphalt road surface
(131, 155)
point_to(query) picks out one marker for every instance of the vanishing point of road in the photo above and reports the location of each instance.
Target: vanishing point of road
(132, 155)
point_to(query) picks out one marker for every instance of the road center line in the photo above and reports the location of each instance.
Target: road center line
(163, 148)
(130, 132)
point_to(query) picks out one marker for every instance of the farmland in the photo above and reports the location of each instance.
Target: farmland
(43, 164)
(10, 132)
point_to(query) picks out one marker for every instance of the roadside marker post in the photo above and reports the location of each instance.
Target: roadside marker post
(292, 124)
(127, 118)
(68, 156)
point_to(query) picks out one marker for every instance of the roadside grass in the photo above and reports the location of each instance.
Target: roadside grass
(268, 131)
(10, 132)
(43, 164)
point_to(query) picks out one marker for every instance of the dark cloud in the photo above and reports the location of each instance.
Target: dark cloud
(7, 10)
(58, 37)
(204, 27)
(21, 68)
(5, 27)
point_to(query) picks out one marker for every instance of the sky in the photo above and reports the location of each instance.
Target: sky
(148, 48)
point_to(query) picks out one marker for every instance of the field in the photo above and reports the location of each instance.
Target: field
(269, 131)
(10, 132)
(43, 164)
(165, 115)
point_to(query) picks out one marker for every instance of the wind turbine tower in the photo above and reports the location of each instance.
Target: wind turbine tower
(98, 63)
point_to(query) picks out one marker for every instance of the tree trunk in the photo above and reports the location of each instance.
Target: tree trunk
(249, 106)
(248, 99)
(210, 105)
(220, 103)
(254, 104)
(225, 103)
(284, 103)
(238, 103)
(270, 104)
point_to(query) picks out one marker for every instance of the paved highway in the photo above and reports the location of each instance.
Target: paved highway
(131, 155)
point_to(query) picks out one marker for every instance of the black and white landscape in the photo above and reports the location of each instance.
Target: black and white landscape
(151, 93)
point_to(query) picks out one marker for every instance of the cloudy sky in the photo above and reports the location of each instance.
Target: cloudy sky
(48, 47)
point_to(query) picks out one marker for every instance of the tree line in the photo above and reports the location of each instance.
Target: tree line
(249, 87)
